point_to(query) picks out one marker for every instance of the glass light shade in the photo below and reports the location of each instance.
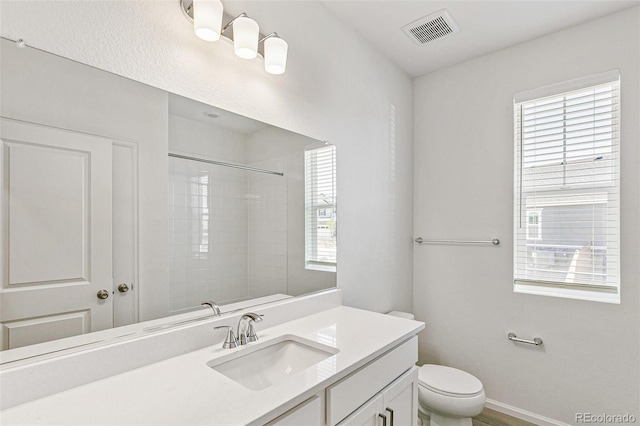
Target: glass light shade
(275, 55)
(245, 37)
(207, 19)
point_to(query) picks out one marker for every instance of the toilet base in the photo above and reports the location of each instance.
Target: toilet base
(435, 419)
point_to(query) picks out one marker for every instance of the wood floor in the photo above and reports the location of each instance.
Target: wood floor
(493, 418)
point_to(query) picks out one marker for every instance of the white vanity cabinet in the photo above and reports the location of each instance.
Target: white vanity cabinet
(396, 405)
(385, 391)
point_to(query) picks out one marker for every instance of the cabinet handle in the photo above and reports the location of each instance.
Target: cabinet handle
(384, 419)
(390, 414)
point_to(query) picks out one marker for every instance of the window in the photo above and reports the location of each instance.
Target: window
(320, 208)
(534, 227)
(567, 198)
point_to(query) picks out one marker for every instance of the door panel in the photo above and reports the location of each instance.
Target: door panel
(48, 214)
(43, 329)
(56, 232)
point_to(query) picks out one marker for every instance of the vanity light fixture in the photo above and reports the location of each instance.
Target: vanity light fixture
(245, 36)
(275, 53)
(207, 17)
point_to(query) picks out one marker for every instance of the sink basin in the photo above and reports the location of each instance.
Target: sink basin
(259, 366)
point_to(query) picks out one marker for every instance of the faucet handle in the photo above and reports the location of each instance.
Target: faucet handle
(231, 341)
(251, 333)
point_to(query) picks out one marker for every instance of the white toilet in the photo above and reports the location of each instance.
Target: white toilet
(447, 396)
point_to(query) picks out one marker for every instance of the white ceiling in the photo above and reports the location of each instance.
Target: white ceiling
(196, 111)
(485, 26)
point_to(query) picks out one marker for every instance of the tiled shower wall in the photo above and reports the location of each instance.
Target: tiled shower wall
(227, 226)
(207, 233)
(234, 233)
(267, 224)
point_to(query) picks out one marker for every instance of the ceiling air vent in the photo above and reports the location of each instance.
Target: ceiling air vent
(429, 28)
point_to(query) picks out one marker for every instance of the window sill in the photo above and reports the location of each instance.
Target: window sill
(323, 268)
(568, 293)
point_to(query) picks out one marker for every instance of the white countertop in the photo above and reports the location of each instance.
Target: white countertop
(184, 391)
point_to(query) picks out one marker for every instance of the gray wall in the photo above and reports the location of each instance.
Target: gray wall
(464, 189)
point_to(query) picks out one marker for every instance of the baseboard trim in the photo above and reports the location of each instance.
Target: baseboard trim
(525, 415)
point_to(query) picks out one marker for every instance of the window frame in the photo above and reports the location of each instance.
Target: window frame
(312, 210)
(601, 293)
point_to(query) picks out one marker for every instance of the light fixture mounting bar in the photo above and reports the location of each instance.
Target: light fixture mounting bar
(273, 34)
(232, 21)
(187, 9)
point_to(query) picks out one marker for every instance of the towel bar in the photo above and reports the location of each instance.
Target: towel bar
(536, 340)
(421, 240)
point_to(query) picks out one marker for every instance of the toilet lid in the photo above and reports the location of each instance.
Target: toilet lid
(448, 380)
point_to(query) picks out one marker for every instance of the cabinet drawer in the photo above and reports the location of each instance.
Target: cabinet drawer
(354, 390)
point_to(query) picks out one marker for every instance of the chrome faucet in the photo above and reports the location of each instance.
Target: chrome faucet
(214, 306)
(246, 333)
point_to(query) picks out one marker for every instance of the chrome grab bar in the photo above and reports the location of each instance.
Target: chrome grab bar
(421, 240)
(536, 340)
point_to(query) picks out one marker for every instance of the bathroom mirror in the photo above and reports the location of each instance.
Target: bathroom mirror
(123, 203)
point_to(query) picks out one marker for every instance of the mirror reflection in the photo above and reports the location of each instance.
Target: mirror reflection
(242, 204)
(123, 203)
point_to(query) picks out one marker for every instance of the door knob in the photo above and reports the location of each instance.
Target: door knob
(103, 294)
(123, 288)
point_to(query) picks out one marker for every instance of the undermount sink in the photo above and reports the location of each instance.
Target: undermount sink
(258, 366)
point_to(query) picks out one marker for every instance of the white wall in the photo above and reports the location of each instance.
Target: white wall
(464, 189)
(336, 88)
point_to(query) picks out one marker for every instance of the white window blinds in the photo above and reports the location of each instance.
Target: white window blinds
(567, 198)
(320, 207)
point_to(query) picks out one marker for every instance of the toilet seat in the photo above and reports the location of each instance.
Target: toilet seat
(449, 381)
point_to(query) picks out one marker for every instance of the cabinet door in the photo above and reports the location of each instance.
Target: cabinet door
(367, 415)
(401, 400)
(344, 396)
